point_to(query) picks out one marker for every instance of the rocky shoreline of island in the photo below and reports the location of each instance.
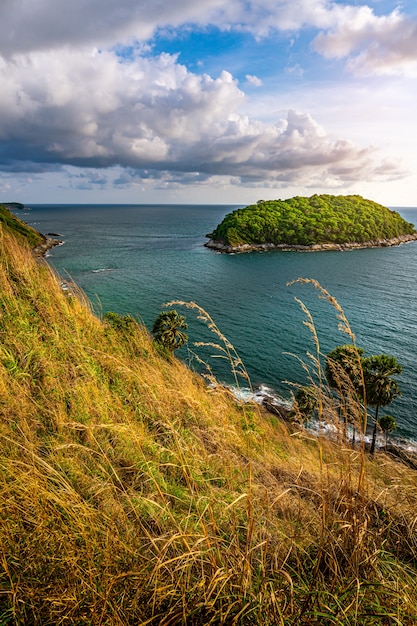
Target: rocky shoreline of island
(219, 246)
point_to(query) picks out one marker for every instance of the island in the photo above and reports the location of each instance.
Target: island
(320, 222)
(14, 205)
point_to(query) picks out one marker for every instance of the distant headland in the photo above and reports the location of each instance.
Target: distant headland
(14, 205)
(321, 222)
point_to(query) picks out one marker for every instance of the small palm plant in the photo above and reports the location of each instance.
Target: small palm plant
(381, 388)
(305, 403)
(388, 425)
(344, 374)
(168, 330)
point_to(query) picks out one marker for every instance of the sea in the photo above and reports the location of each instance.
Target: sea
(133, 259)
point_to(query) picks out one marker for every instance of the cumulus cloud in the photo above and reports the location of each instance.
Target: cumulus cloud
(160, 120)
(42, 25)
(374, 44)
(371, 43)
(383, 43)
(254, 81)
(70, 100)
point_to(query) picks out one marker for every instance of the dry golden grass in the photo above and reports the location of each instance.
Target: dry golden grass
(131, 493)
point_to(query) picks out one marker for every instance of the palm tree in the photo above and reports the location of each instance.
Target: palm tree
(381, 389)
(343, 364)
(305, 403)
(343, 371)
(387, 424)
(168, 330)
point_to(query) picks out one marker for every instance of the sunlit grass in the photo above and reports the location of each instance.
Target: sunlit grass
(133, 493)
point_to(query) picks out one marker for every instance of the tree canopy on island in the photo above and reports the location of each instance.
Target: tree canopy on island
(307, 221)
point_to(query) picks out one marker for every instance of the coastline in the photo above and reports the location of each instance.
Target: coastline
(404, 450)
(218, 246)
(58, 229)
(47, 244)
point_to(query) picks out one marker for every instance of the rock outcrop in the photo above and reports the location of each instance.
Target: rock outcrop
(319, 247)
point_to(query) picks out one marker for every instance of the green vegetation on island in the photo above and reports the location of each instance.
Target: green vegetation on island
(318, 220)
(131, 492)
(13, 205)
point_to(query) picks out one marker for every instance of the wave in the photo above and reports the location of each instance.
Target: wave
(260, 394)
(268, 397)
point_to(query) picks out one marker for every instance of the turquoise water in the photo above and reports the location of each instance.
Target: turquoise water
(132, 259)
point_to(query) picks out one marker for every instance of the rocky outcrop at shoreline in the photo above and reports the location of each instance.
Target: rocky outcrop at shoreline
(318, 247)
(46, 245)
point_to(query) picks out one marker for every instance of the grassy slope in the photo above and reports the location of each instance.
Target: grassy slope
(25, 233)
(130, 492)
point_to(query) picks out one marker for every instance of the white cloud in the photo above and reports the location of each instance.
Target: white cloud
(379, 43)
(69, 101)
(375, 44)
(94, 110)
(44, 25)
(254, 81)
(29, 25)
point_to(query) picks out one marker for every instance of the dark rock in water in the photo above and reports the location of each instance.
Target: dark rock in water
(54, 235)
(408, 458)
(272, 403)
(272, 406)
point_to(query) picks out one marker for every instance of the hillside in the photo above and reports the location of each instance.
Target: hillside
(318, 222)
(24, 233)
(132, 493)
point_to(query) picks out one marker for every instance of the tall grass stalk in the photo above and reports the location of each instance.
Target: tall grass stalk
(225, 348)
(226, 351)
(359, 410)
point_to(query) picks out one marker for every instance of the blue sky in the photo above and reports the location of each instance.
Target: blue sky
(135, 101)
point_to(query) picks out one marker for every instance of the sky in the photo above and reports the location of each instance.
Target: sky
(208, 101)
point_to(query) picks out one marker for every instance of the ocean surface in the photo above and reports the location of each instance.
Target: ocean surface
(134, 258)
